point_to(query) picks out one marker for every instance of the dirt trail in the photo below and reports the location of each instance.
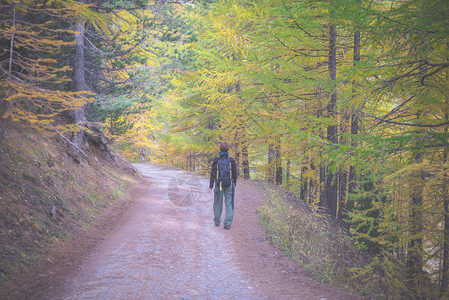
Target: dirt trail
(167, 247)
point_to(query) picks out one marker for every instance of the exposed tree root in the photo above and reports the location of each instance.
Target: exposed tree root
(97, 138)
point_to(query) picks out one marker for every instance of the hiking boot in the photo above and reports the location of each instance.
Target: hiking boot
(217, 224)
(227, 227)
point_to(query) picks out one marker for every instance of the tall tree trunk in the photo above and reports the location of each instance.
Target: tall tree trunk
(4, 107)
(237, 150)
(271, 163)
(278, 161)
(190, 161)
(237, 160)
(331, 192)
(415, 261)
(79, 78)
(143, 154)
(354, 120)
(345, 127)
(245, 162)
(343, 178)
(352, 173)
(331, 186)
(444, 290)
(4, 125)
(322, 188)
(11, 44)
(112, 124)
(287, 172)
(78, 84)
(342, 192)
(313, 187)
(304, 185)
(245, 159)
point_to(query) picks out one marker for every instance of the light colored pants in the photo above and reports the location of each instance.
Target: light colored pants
(218, 205)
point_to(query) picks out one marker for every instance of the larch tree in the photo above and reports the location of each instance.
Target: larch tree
(33, 80)
(406, 111)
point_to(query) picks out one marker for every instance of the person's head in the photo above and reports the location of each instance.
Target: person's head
(224, 147)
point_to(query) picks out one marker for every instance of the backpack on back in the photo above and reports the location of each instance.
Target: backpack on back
(224, 173)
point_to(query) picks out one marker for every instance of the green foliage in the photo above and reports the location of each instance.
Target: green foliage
(34, 73)
(176, 79)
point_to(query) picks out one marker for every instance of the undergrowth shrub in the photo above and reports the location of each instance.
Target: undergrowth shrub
(311, 240)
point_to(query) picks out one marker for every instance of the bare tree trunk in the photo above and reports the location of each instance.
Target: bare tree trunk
(78, 116)
(304, 185)
(3, 128)
(352, 173)
(245, 159)
(354, 131)
(112, 125)
(143, 154)
(444, 289)
(79, 79)
(313, 187)
(78, 84)
(321, 187)
(237, 151)
(5, 104)
(331, 186)
(331, 192)
(354, 120)
(343, 172)
(320, 192)
(191, 161)
(11, 45)
(415, 261)
(342, 192)
(271, 163)
(278, 165)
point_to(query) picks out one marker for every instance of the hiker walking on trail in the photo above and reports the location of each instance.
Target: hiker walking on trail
(224, 175)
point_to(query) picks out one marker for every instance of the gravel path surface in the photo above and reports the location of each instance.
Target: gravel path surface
(164, 245)
(168, 248)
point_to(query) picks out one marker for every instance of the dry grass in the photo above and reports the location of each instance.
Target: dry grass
(315, 241)
(45, 196)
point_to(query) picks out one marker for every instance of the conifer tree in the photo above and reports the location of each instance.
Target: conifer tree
(35, 78)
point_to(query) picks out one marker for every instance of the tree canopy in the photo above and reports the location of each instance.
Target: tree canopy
(344, 103)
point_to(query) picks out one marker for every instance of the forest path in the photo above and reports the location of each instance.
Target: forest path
(167, 247)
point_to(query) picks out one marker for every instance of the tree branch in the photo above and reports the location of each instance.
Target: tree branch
(296, 23)
(402, 124)
(67, 140)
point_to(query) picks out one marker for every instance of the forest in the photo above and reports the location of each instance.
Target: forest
(343, 103)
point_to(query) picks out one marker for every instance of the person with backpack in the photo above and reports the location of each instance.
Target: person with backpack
(224, 175)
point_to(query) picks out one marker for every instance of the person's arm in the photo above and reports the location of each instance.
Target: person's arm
(213, 174)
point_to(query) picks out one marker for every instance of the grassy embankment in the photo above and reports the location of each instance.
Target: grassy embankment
(45, 197)
(315, 241)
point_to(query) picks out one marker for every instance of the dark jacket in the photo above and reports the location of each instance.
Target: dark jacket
(213, 173)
